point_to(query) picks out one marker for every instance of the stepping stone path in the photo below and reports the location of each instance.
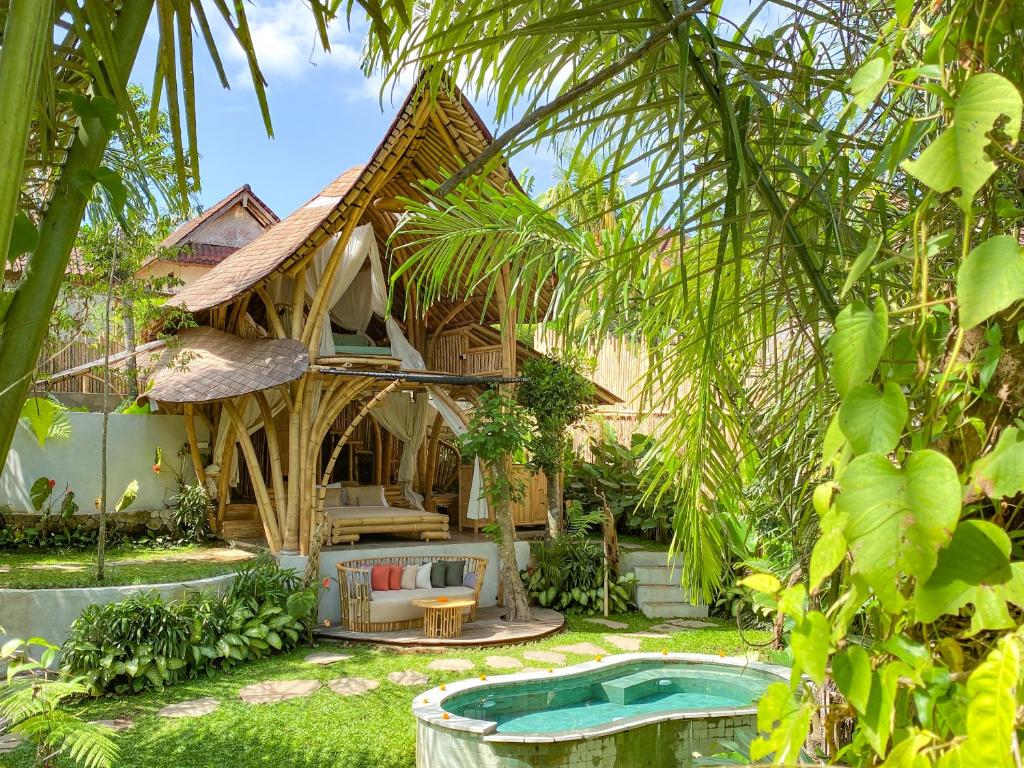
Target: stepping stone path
(503, 662)
(584, 649)
(450, 665)
(679, 625)
(609, 623)
(323, 658)
(654, 635)
(623, 643)
(352, 686)
(121, 724)
(545, 657)
(408, 677)
(9, 742)
(273, 691)
(190, 708)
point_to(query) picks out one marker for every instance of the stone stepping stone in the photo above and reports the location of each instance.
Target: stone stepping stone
(190, 708)
(503, 662)
(692, 624)
(352, 686)
(623, 643)
(666, 629)
(272, 691)
(9, 742)
(609, 623)
(408, 677)
(450, 665)
(584, 649)
(653, 635)
(545, 657)
(118, 725)
(322, 658)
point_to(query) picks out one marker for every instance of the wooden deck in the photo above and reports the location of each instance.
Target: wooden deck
(490, 628)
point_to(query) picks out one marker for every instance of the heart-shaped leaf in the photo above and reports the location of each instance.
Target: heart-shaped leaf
(852, 672)
(873, 420)
(897, 519)
(869, 80)
(999, 474)
(992, 705)
(975, 568)
(809, 641)
(957, 158)
(857, 344)
(990, 279)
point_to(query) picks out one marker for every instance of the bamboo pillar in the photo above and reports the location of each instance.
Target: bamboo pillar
(263, 504)
(274, 453)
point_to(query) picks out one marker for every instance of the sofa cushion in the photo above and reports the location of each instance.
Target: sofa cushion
(453, 573)
(334, 495)
(469, 580)
(394, 577)
(396, 605)
(438, 572)
(380, 578)
(423, 576)
(409, 576)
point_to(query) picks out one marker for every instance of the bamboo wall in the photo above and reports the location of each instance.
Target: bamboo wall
(620, 366)
(77, 353)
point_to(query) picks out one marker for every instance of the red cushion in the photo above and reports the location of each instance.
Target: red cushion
(380, 577)
(394, 577)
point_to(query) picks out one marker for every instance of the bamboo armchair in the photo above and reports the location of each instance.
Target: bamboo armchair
(354, 583)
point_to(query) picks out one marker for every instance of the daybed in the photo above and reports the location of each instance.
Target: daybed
(356, 510)
(364, 609)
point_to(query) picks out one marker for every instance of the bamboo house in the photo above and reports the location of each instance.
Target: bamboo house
(333, 415)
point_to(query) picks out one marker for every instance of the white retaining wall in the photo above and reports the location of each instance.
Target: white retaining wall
(75, 461)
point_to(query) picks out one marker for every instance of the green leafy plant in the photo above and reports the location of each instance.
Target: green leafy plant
(567, 574)
(192, 511)
(44, 501)
(46, 418)
(144, 642)
(32, 705)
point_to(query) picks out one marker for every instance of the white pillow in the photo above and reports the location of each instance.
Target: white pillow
(334, 495)
(409, 576)
(366, 496)
(423, 576)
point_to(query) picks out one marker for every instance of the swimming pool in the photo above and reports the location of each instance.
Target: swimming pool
(625, 710)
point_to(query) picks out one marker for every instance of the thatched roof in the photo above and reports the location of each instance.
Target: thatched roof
(409, 152)
(205, 364)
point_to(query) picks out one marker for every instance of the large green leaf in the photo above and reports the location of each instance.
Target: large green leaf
(873, 420)
(975, 568)
(990, 279)
(46, 418)
(785, 721)
(876, 719)
(830, 548)
(1000, 473)
(869, 80)
(992, 705)
(851, 670)
(857, 343)
(897, 519)
(809, 642)
(957, 158)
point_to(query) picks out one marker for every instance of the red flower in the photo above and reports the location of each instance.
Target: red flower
(327, 583)
(156, 469)
(51, 482)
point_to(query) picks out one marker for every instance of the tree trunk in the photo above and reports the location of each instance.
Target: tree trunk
(611, 541)
(29, 315)
(511, 584)
(555, 516)
(132, 368)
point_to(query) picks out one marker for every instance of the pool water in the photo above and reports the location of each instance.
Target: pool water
(598, 697)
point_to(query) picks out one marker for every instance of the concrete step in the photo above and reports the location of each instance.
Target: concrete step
(638, 558)
(657, 575)
(674, 610)
(660, 593)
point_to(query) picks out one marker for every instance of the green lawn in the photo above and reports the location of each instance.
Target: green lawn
(134, 565)
(375, 730)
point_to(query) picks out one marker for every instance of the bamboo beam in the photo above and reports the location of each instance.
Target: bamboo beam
(273, 317)
(378, 453)
(274, 453)
(298, 302)
(430, 471)
(263, 503)
(224, 479)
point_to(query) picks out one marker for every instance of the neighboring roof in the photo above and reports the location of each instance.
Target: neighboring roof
(76, 265)
(244, 195)
(205, 364)
(202, 254)
(308, 227)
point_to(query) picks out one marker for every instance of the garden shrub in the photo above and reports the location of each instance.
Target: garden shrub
(145, 642)
(192, 512)
(613, 477)
(568, 574)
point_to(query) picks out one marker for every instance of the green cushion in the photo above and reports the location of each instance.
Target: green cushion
(437, 574)
(453, 573)
(350, 350)
(350, 340)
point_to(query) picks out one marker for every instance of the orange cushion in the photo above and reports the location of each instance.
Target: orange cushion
(380, 577)
(394, 577)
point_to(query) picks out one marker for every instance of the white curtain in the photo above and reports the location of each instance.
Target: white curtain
(406, 419)
(253, 420)
(477, 506)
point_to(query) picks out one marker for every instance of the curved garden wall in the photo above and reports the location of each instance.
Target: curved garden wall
(49, 613)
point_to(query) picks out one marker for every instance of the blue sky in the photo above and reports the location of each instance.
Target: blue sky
(327, 115)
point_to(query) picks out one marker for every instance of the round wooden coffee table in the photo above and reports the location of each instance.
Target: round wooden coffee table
(442, 617)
